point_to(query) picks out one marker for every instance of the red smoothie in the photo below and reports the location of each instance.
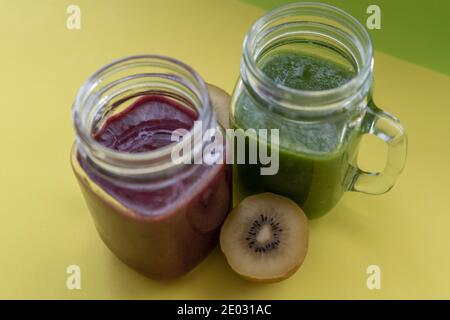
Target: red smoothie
(161, 227)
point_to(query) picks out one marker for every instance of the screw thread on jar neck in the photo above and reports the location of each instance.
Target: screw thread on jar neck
(316, 23)
(129, 78)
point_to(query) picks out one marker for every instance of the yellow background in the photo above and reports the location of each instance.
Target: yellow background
(45, 225)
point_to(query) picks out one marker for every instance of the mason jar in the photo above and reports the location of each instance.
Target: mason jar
(159, 216)
(307, 71)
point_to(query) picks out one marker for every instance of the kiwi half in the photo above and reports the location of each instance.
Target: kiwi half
(265, 238)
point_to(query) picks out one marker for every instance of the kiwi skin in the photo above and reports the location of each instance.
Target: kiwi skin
(221, 104)
(274, 279)
(287, 275)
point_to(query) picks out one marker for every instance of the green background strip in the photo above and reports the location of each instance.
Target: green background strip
(416, 31)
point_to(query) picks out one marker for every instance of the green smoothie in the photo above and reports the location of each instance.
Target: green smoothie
(314, 156)
(305, 71)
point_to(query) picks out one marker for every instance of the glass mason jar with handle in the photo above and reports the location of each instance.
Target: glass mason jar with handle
(307, 70)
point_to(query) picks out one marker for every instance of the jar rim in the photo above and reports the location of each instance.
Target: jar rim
(323, 100)
(134, 164)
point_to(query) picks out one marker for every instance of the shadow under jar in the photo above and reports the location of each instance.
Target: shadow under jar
(159, 216)
(307, 70)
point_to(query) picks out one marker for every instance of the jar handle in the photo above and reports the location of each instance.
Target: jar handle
(388, 128)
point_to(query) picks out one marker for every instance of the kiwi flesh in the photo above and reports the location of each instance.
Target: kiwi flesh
(265, 238)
